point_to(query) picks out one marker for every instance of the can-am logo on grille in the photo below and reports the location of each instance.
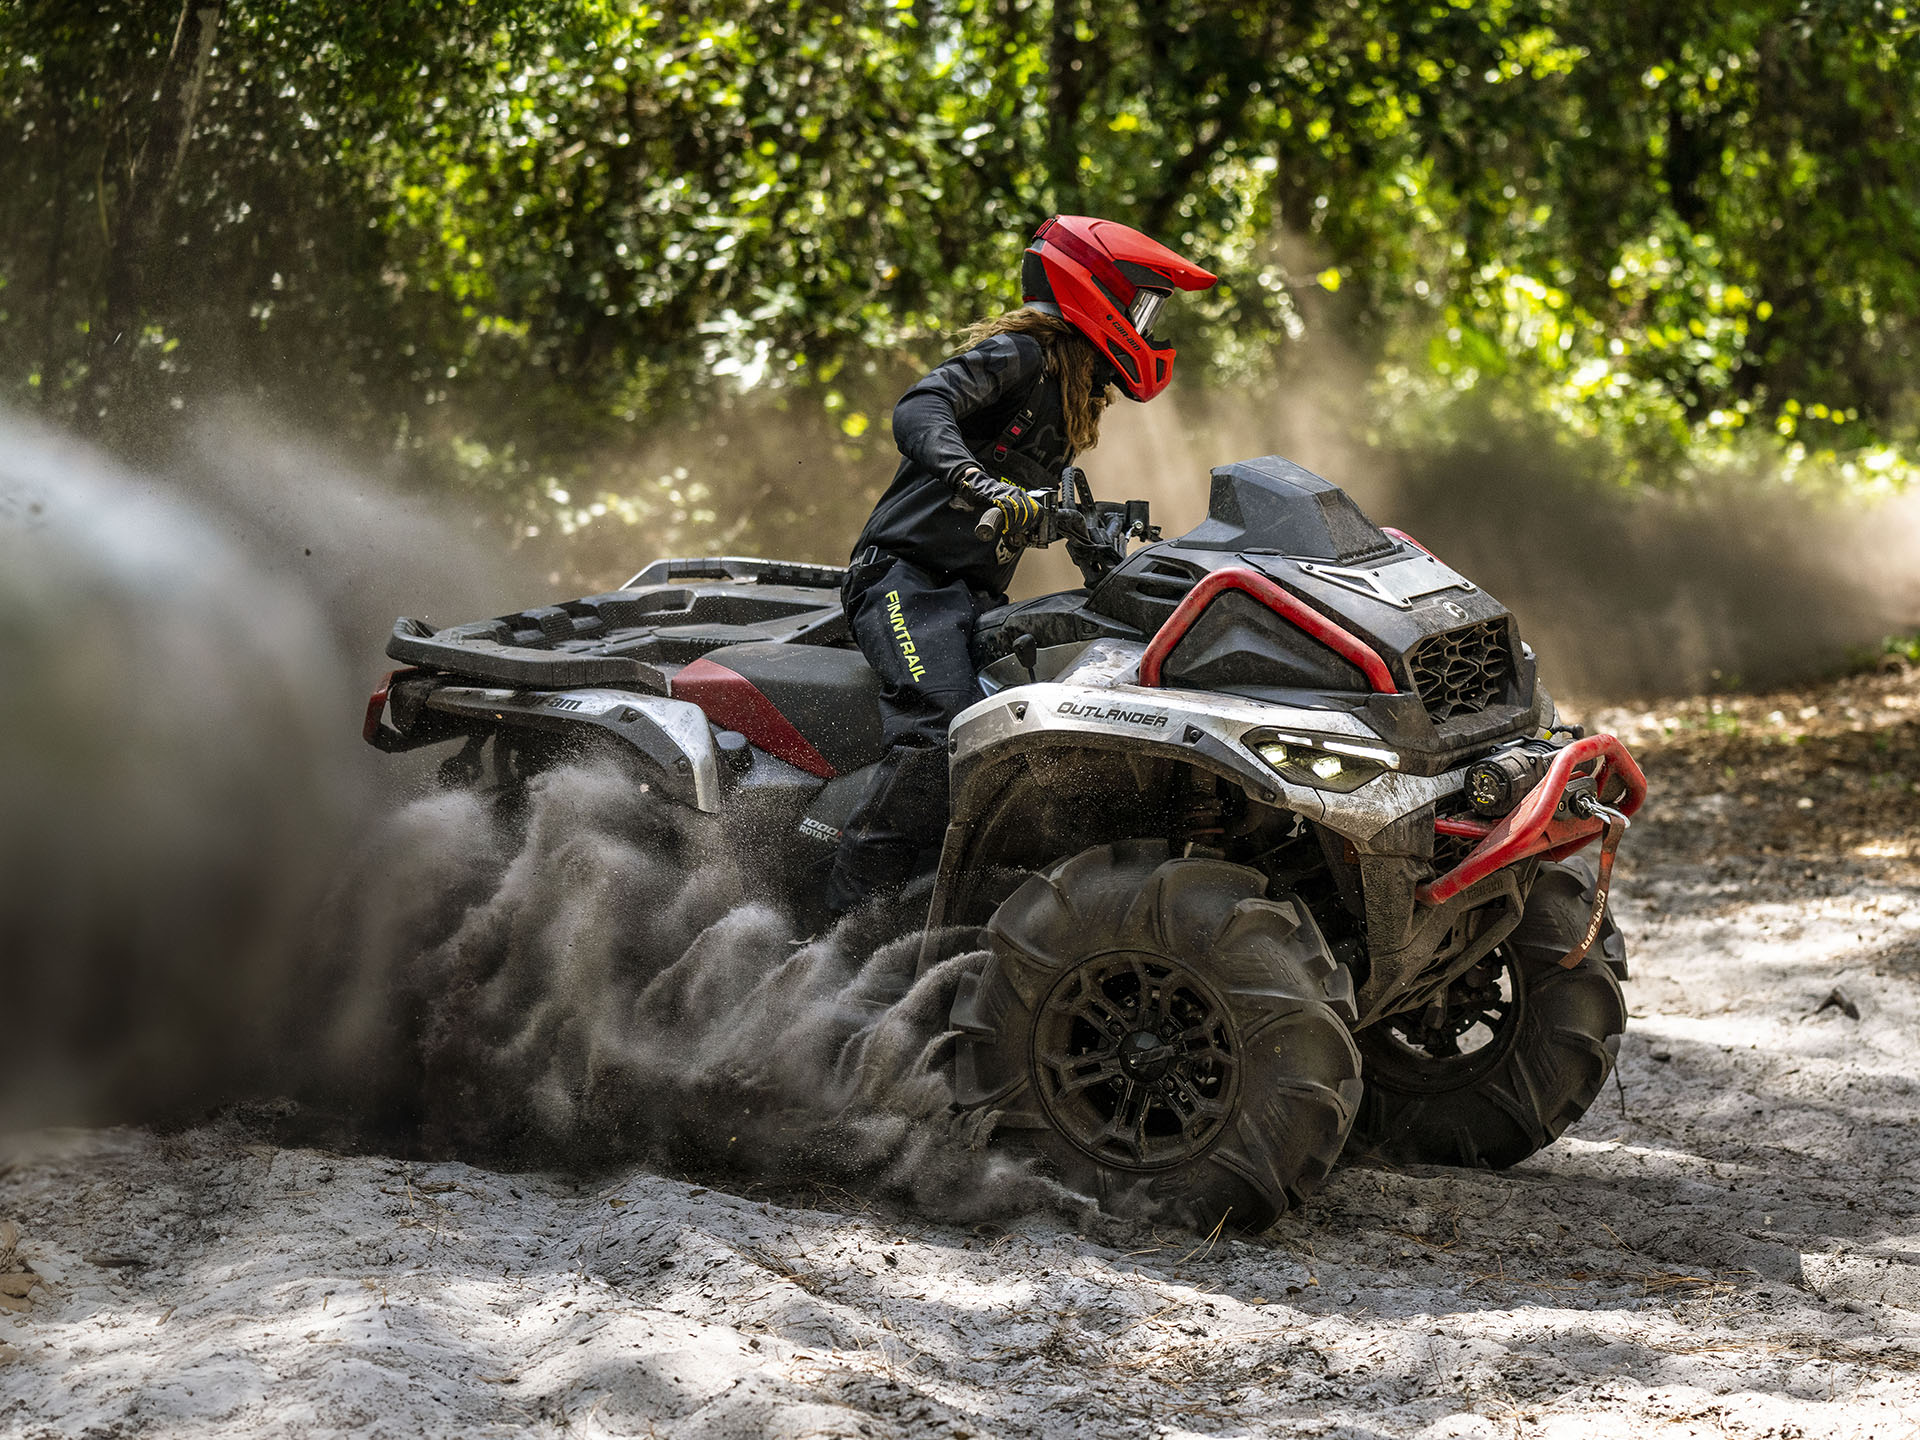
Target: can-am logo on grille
(1458, 612)
(1147, 719)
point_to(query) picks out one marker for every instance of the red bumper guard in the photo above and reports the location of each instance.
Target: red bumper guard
(1549, 822)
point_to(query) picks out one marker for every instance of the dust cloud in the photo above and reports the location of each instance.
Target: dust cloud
(212, 893)
(591, 979)
(1624, 593)
(183, 663)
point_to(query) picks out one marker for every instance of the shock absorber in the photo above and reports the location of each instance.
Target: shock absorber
(1203, 822)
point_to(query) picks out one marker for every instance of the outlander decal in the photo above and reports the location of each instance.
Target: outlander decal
(1114, 714)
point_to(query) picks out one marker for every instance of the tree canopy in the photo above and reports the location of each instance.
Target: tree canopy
(511, 241)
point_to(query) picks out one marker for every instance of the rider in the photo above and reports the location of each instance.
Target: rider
(993, 422)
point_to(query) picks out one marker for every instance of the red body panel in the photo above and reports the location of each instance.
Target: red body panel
(1532, 828)
(734, 703)
(1405, 539)
(376, 707)
(1342, 642)
(377, 703)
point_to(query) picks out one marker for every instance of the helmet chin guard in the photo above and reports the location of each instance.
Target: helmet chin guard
(1109, 282)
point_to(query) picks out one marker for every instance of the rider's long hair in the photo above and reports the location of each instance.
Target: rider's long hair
(1069, 357)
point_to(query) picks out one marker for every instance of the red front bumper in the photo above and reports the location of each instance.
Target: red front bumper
(1538, 825)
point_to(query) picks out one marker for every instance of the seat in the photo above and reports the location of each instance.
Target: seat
(1058, 619)
(814, 706)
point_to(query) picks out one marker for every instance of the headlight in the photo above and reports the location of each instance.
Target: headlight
(1322, 769)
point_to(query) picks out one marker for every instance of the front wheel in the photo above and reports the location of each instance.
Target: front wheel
(1516, 1055)
(1171, 1040)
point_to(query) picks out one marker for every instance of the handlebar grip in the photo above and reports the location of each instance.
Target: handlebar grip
(992, 521)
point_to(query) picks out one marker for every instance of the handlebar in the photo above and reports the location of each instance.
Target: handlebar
(1092, 523)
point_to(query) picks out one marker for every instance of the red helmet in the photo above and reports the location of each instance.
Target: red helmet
(1109, 282)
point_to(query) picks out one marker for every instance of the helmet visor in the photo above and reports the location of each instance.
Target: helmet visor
(1146, 308)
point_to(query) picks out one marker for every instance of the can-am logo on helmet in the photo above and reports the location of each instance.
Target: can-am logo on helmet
(1147, 719)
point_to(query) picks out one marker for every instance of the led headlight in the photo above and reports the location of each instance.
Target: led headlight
(1322, 769)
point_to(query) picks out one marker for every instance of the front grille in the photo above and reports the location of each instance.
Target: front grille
(1450, 850)
(1463, 671)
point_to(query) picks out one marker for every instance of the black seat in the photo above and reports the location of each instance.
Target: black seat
(831, 696)
(1059, 619)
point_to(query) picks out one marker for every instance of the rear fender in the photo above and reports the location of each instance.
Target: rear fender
(672, 735)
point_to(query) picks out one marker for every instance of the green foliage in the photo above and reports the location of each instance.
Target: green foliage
(563, 254)
(1895, 652)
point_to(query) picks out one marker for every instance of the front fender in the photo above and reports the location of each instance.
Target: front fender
(1204, 730)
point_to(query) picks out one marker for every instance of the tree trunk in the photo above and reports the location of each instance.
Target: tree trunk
(51, 351)
(113, 380)
(1066, 59)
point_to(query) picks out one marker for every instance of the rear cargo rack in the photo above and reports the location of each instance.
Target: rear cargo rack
(741, 567)
(462, 652)
(670, 614)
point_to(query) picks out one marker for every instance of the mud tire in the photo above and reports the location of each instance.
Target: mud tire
(1235, 1122)
(1545, 1064)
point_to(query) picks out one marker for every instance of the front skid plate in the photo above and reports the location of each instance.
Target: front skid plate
(1205, 729)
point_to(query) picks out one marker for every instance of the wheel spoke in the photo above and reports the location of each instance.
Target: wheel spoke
(1444, 1045)
(1074, 1072)
(1190, 1106)
(1163, 1001)
(1097, 1009)
(1222, 1058)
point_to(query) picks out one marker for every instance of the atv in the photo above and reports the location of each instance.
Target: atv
(1266, 840)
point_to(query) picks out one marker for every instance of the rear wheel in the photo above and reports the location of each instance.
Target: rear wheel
(1172, 1040)
(1519, 1052)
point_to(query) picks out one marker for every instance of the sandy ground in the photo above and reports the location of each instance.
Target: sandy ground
(1728, 1244)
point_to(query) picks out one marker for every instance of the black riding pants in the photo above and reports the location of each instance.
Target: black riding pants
(916, 629)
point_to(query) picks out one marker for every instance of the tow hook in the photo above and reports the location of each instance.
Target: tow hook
(1587, 804)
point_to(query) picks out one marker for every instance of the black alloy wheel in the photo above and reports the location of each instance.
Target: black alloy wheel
(1135, 1061)
(1442, 1048)
(1519, 1051)
(1171, 1039)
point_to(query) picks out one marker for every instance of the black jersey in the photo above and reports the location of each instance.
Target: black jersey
(946, 425)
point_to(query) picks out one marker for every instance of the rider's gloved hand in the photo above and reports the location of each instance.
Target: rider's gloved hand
(1020, 508)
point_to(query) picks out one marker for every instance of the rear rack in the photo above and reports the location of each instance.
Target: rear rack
(741, 567)
(459, 650)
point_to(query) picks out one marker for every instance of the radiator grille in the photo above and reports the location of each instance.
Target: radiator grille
(1462, 671)
(1450, 850)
